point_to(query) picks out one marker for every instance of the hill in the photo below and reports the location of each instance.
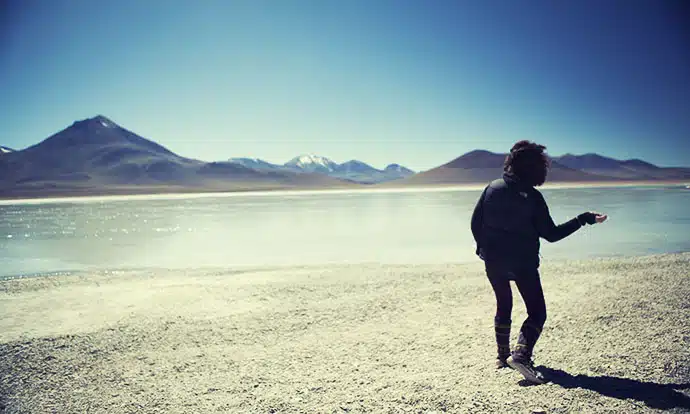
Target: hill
(634, 169)
(96, 155)
(482, 166)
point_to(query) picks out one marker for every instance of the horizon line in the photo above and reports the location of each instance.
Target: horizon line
(416, 170)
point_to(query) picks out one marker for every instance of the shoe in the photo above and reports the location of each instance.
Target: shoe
(526, 368)
(502, 356)
(501, 362)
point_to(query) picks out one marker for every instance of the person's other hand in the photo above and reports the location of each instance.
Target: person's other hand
(600, 218)
(591, 217)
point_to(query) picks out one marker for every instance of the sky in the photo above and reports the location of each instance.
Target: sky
(411, 82)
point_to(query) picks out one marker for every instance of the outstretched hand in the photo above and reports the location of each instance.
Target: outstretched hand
(591, 217)
(600, 218)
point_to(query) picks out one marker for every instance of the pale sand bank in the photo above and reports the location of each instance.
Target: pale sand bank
(359, 338)
(167, 193)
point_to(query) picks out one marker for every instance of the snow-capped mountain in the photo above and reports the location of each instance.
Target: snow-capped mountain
(352, 170)
(312, 163)
(5, 150)
(96, 155)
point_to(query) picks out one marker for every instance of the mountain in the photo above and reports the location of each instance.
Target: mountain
(312, 163)
(398, 170)
(359, 171)
(634, 169)
(588, 161)
(98, 155)
(256, 164)
(356, 167)
(480, 166)
(353, 170)
(94, 149)
(639, 164)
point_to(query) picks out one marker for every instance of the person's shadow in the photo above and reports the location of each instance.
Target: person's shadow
(659, 396)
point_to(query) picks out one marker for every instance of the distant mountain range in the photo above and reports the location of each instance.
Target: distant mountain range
(97, 156)
(629, 169)
(480, 166)
(352, 170)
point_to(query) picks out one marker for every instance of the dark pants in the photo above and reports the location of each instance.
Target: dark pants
(529, 285)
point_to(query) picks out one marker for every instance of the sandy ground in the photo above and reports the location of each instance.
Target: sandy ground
(350, 338)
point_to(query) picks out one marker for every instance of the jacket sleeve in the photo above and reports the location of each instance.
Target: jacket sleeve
(546, 228)
(477, 217)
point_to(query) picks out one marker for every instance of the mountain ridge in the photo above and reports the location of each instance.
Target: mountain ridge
(482, 166)
(98, 155)
(352, 170)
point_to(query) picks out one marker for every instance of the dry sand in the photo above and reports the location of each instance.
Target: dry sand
(350, 338)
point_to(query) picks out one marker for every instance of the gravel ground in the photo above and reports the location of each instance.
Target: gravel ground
(337, 339)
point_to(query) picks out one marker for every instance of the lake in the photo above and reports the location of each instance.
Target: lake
(266, 229)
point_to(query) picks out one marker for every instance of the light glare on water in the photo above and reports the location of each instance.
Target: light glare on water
(314, 228)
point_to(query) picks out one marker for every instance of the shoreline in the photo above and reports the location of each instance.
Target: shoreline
(250, 268)
(177, 193)
(343, 338)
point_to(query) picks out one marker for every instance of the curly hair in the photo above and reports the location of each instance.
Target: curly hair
(528, 162)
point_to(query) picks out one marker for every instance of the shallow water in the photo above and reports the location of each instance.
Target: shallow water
(313, 228)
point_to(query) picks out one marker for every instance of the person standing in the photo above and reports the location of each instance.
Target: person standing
(508, 221)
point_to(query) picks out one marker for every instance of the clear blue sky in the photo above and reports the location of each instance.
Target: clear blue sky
(414, 82)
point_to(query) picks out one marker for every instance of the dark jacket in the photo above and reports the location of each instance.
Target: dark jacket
(508, 221)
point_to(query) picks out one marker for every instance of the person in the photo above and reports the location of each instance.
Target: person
(508, 221)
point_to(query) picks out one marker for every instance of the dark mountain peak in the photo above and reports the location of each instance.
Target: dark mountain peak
(594, 156)
(355, 166)
(94, 130)
(98, 121)
(105, 121)
(102, 118)
(587, 156)
(97, 134)
(587, 161)
(398, 168)
(478, 153)
(477, 159)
